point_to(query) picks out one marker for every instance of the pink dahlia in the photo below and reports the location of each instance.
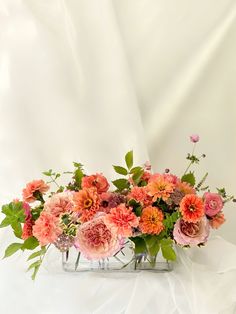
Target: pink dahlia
(140, 195)
(123, 219)
(96, 239)
(97, 181)
(29, 192)
(59, 203)
(213, 203)
(189, 233)
(46, 228)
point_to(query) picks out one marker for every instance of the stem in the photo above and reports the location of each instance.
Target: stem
(191, 162)
(54, 181)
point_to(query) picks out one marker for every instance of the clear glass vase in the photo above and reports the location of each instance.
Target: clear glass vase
(124, 261)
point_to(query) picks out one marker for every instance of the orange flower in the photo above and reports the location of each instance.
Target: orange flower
(31, 188)
(217, 220)
(191, 208)
(160, 187)
(86, 203)
(151, 220)
(185, 188)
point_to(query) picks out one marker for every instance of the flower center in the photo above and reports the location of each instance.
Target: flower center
(88, 203)
(192, 208)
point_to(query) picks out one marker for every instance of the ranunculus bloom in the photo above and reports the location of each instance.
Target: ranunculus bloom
(191, 208)
(59, 203)
(189, 233)
(123, 219)
(46, 228)
(96, 239)
(140, 195)
(217, 220)
(194, 138)
(160, 187)
(213, 203)
(86, 203)
(96, 180)
(31, 188)
(151, 220)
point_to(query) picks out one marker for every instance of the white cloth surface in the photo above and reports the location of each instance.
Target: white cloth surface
(89, 80)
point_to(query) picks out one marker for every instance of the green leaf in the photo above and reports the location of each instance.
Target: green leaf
(135, 169)
(153, 245)
(36, 254)
(167, 249)
(189, 178)
(6, 222)
(140, 245)
(48, 173)
(36, 269)
(35, 264)
(16, 226)
(30, 244)
(121, 184)
(12, 248)
(137, 176)
(120, 170)
(129, 159)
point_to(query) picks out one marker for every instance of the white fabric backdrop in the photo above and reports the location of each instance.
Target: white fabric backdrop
(89, 80)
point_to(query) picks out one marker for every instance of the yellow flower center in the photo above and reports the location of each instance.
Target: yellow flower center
(88, 203)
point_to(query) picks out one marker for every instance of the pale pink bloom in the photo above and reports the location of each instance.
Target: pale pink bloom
(97, 240)
(194, 138)
(46, 228)
(217, 220)
(213, 203)
(59, 203)
(97, 181)
(147, 166)
(123, 219)
(189, 233)
(140, 195)
(33, 187)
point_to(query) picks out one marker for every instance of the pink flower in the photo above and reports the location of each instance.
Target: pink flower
(194, 138)
(27, 211)
(96, 239)
(110, 200)
(27, 231)
(217, 220)
(146, 176)
(96, 180)
(32, 188)
(189, 233)
(46, 228)
(123, 219)
(147, 166)
(213, 203)
(59, 203)
(140, 195)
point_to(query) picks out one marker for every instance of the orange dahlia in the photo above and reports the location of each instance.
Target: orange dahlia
(86, 203)
(185, 188)
(160, 188)
(192, 208)
(151, 220)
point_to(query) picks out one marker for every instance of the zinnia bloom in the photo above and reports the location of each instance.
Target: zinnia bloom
(123, 219)
(33, 187)
(159, 187)
(213, 203)
(151, 220)
(96, 239)
(191, 208)
(46, 228)
(59, 203)
(217, 220)
(189, 233)
(86, 203)
(185, 188)
(140, 195)
(96, 180)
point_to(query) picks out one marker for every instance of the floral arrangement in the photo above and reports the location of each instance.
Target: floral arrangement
(153, 210)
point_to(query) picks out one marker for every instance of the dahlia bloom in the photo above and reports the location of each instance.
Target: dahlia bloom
(86, 203)
(191, 208)
(98, 181)
(123, 219)
(213, 203)
(96, 239)
(217, 220)
(140, 195)
(46, 228)
(189, 233)
(160, 187)
(59, 203)
(32, 187)
(151, 220)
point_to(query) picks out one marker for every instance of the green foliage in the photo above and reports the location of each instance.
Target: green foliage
(37, 254)
(140, 245)
(78, 174)
(12, 248)
(170, 220)
(199, 185)
(189, 178)
(129, 159)
(137, 176)
(120, 170)
(121, 184)
(30, 244)
(152, 244)
(167, 249)
(192, 158)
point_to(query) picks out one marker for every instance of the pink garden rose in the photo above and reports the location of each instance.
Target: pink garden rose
(96, 180)
(189, 233)
(33, 187)
(46, 228)
(59, 203)
(213, 203)
(194, 138)
(96, 239)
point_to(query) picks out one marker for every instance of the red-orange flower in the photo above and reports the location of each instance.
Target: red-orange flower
(86, 203)
(151, 220)
(159, 187)
(192, 208)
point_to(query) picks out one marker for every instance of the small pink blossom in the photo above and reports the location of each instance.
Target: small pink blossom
(27, 231)
(194, 138)
(33, 187)
(189, 233)
(96, 180)
(217, 220)
(59, 203)
(147, 166)
(213, 203)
